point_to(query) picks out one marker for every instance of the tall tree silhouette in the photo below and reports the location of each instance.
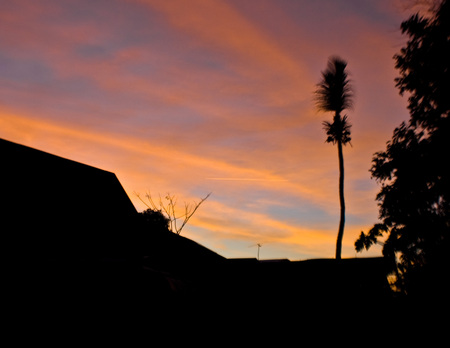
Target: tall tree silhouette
(334, 93)
(414, 171)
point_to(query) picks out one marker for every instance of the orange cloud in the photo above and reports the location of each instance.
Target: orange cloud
(143, 166)
(221, 28)
(210, 98)
(216, 223)
(219, 24)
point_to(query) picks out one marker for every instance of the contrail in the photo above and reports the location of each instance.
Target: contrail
(244, 179)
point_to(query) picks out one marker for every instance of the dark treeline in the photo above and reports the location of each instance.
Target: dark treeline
(413, 170)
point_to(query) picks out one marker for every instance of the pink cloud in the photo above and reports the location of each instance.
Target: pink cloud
(169, 94)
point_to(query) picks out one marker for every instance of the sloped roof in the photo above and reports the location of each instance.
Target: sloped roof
(50, 204)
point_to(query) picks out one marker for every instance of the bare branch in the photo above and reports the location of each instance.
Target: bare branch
(189, 214)
(169, 209)
(165, 208)
(152, 203)
(172, 203)
(145, 203)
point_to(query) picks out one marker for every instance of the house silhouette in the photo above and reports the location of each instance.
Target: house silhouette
(52, 206)
(75, 242)
(69, 226)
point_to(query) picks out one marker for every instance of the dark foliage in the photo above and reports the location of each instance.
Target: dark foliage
(334, 92)
(413, 171)
(424, 67)
(155, 220)
(338, 130)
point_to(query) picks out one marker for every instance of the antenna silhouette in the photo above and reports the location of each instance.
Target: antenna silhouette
(259, 245)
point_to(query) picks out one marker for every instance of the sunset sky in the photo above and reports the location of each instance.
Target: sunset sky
(198, 96)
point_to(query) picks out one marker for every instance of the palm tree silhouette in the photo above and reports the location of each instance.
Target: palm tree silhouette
(334, 93)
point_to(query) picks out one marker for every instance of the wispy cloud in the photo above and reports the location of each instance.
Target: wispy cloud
(198, 96)
(247, 179)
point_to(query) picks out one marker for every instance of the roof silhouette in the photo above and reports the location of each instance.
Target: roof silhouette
(52, 205)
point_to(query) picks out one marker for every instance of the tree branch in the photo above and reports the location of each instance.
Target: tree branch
(169, 209)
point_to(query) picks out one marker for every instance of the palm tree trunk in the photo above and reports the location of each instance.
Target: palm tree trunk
(341, 201)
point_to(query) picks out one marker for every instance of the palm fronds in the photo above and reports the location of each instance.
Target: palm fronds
(334, 92)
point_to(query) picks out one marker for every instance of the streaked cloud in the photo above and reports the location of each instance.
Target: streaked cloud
(190, 97)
